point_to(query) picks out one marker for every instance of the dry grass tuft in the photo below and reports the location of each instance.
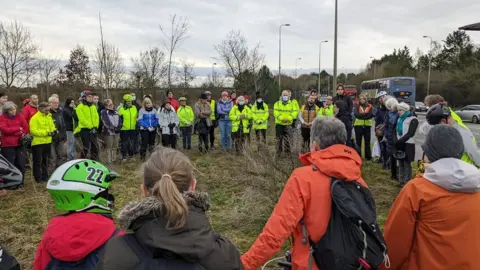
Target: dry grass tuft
(243, 188)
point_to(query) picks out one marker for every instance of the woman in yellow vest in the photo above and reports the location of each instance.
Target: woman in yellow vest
(260, 120)
(240, 116)
(307, 114)
(363, 124)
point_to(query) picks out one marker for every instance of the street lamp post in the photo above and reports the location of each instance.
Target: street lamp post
(335, 46)
(374, 67)
(213, 74)
(429, 64)
(280, 56)
(296, 66)
(320, 63)
(345, 77)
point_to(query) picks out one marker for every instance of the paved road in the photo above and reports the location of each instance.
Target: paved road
(420, 138)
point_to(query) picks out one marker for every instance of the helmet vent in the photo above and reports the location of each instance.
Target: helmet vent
(83, 197)
(77, 167)
(66, 198)
(86, 164)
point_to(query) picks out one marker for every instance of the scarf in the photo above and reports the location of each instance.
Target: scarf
(240, 107)
(400, 123)
(260, 105)
(148, 109)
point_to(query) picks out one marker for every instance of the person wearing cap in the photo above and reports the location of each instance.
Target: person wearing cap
(442, 114)
(203, 122)
(406, 128)
(42, 128)
(88, 122)
(260, 114)
(240, 116)
(224, 106)
(172, 100)
(186, 118)
(431, 100)
(433, 223)
(213, 118)
(284, 112)
(128, 133)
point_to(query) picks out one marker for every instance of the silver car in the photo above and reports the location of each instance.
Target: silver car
(470, 113)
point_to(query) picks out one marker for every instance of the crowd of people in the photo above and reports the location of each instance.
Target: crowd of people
(431, 224)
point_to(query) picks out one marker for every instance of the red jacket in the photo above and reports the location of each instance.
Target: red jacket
(29, 111)
(305, 195)
(174, 103)
(12, 129)
(73, 237)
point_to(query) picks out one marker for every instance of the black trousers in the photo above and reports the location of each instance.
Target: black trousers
(364, 133)
(148, 141)
(128, 138)
(186, 137)
(41, 155)
(306, 138)
(239, 139)
(169, 140)
(284, 138)
(261, 135)
(202, 139)
(90, 144)
(17, 156)
(211, 131)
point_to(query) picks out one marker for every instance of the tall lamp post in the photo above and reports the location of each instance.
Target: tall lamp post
(335, 45)
(213, 74)
(374, 67)
(280, 56)
(345, 77)
(320, 63)
(429, 64)
(296, 66)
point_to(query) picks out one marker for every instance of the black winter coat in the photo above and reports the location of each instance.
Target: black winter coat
(196, 241)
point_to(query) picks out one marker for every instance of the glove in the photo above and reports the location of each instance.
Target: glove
(117, 130)
(93, 131)
(53, 133)
(171, 125)
(151, 129)
(142, 128)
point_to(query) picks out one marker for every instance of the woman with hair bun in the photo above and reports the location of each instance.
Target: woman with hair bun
(170, 229)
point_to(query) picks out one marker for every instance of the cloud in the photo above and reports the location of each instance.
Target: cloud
(367, 28)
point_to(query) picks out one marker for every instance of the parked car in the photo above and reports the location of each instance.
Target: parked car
(420, 107)
(470, 113)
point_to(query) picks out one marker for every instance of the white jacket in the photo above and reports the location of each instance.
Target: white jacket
(165, 118)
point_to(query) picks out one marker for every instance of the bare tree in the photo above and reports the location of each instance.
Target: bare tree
(149, 68)
(175, 37)
(238, 59)
(17, 54)
(109, 64)
(48, 71)
(186, 74)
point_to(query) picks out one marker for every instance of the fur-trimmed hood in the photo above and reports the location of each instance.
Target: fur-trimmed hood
(134, 210)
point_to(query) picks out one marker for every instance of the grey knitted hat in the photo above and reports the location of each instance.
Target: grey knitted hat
(443, 141)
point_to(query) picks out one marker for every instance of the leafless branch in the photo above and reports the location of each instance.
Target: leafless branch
(17, 54)
(174, 39)
(186, 74)
(150, 67)
(110, 66)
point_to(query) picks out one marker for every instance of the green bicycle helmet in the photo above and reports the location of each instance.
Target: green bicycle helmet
(81, 185)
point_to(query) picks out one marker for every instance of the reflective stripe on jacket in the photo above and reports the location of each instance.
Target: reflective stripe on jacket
(40, 126)
(363, 112)
(284, 111)
(235, 117)
(260, 117)
(213, 105)
(129, 116)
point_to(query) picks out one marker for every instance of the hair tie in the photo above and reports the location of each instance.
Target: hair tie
(166, 175)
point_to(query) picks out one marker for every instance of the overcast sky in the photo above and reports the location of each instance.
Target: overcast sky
(366, 27)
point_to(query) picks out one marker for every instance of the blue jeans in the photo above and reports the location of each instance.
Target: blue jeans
(70, 146)
(225, 133)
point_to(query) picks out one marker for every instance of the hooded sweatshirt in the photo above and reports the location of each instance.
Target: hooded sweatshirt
(73, 237)
(306, 195)
(433, 223)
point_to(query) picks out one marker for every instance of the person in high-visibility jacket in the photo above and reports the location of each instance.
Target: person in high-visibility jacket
(240, 116)
(285, 113)
(186, 117)
(308, 113)
(260, 119)
(296, 107)
(128, 132)
(88, 122)
(327, 109)
(42, 128)
(363, 124)
(213, 117)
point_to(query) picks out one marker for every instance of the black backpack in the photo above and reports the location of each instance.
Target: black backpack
(152, 259)
(353, 239)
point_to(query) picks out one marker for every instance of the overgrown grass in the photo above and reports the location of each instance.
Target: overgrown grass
(244, 190)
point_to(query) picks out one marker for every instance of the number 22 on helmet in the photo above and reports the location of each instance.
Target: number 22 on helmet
(82, 185)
